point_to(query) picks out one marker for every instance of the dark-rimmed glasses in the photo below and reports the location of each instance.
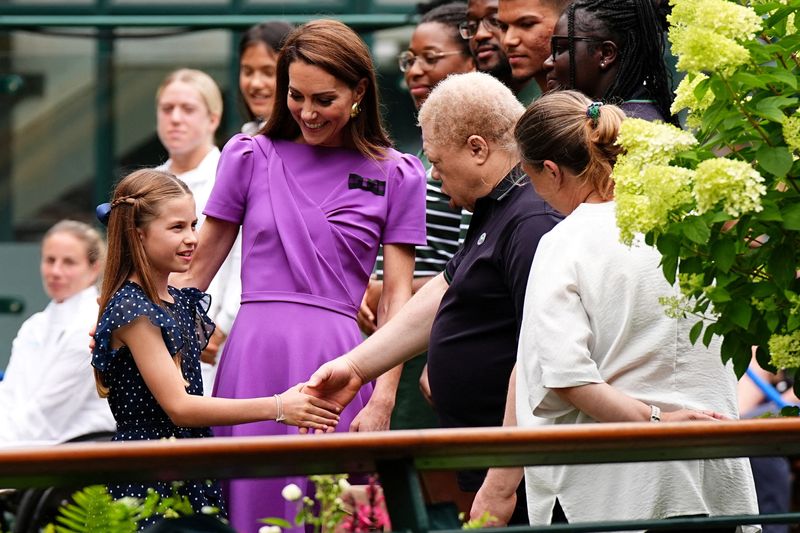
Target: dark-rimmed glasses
(560, 43)
(427, 59)
(469, 28)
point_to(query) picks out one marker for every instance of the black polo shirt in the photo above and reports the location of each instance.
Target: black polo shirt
(473, 343)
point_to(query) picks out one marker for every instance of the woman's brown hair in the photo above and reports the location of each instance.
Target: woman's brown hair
(558, 128)
(339, 51)
(134, 204)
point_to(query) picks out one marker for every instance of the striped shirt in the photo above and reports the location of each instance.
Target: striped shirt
(443, 226)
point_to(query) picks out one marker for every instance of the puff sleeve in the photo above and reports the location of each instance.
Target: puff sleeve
(405, 220)
(228, 199)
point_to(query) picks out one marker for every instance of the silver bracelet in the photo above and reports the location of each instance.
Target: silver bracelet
(655, 413)
(280, 418)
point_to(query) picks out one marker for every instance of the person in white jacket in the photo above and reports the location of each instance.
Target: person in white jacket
(188, 112)
(48, 395)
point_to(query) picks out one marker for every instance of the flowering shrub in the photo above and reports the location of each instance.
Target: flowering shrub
(324, 512)
(722, 203)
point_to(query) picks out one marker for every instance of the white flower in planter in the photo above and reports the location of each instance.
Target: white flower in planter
(291, 493)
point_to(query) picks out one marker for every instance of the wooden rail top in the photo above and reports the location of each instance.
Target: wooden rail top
(85, 463)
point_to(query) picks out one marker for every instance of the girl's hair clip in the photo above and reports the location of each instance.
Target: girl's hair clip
(103, 211)
(593, 111)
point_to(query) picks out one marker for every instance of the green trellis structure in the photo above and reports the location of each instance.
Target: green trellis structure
(107, 16)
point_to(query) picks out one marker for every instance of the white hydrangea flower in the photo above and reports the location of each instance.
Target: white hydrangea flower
(733, 183)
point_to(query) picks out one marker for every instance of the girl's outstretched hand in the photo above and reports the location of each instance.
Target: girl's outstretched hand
(306, 411)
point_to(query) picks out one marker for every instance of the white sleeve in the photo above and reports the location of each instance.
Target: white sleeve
(227, 288)
(64, 389)
(556, 335)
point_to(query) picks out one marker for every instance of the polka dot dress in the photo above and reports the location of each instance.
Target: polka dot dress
(185, 328)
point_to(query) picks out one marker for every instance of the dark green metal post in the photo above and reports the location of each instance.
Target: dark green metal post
(233, 120)
(104, 115)
(403, 493)
(6, 137)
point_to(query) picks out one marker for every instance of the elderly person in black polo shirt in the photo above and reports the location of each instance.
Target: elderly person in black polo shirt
(468, 317)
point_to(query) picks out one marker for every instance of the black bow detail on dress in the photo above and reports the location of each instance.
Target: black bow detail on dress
(374, 186)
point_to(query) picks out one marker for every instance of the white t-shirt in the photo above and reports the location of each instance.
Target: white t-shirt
(592, 315)
(226, 287)
(48, 395)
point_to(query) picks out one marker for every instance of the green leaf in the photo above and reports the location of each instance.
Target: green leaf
(741, 362)
(792, 323)
(769, 213)
(763, 358)
(718, 295)
(669, 265)
(696, 230)
(694, 333)
(791, 216)
(280, 522)
(739, 312)
(709, 334)
(668, 244)
(746, 78)
(777, 160)
(782, 76)
(772, 319)
(781, 266)
(692, 265)
(724, 253)
(790, 410)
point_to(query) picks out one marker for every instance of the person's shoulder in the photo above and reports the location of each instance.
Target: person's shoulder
(241, 144)
(402, 166)
(129, 298)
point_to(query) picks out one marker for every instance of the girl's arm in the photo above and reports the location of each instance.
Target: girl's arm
(397, 275)
(215, 241)
(186, 410)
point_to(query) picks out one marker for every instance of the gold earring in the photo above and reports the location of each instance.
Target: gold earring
(355, 110)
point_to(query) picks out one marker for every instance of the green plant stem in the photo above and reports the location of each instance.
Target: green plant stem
(744, 111)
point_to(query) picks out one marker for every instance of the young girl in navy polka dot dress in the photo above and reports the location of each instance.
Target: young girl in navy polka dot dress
(150, 335)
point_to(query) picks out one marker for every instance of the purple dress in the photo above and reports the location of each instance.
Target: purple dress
(312, 219)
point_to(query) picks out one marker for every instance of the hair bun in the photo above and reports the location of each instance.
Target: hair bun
(593, 112)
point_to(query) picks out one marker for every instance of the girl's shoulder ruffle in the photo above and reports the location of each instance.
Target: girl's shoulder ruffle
(125, 306)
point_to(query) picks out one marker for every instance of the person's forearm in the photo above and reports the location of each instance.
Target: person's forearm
(605, 403)
(198, 411)
(418, 283)
(386, 385)
(504, 481)
(403, 337)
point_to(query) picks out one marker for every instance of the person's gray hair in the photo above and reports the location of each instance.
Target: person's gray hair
(468, 104)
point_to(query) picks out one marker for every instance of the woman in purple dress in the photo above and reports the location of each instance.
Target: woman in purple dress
(316, 192)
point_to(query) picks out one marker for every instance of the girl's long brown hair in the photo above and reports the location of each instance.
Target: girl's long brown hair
(135, 204)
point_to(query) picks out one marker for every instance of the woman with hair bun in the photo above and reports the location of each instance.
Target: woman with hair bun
(596, 345)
